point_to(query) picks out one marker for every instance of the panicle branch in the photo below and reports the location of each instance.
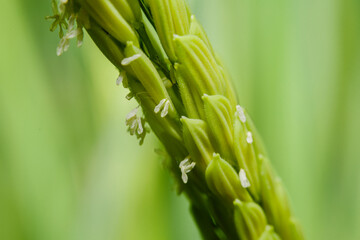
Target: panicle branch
(166, 60)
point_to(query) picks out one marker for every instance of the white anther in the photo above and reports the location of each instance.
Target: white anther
(135, 124)
(62, 6)
(132, 114)
(127, 61)
(159, 106)
(165, 111)
(72, 32)
(163, 106)
(62, 46)
(140, 129)
(249, 137)
(185, 167)
(240, 113)
(184, 162)
(121, 77)
(243, 179)
(80, 39)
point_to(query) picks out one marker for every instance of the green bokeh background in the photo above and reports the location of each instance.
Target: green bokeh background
(70, 171)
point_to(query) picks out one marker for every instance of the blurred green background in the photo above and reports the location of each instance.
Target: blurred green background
(69, 170)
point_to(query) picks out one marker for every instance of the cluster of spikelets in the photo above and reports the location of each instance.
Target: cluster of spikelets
(185, 96)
